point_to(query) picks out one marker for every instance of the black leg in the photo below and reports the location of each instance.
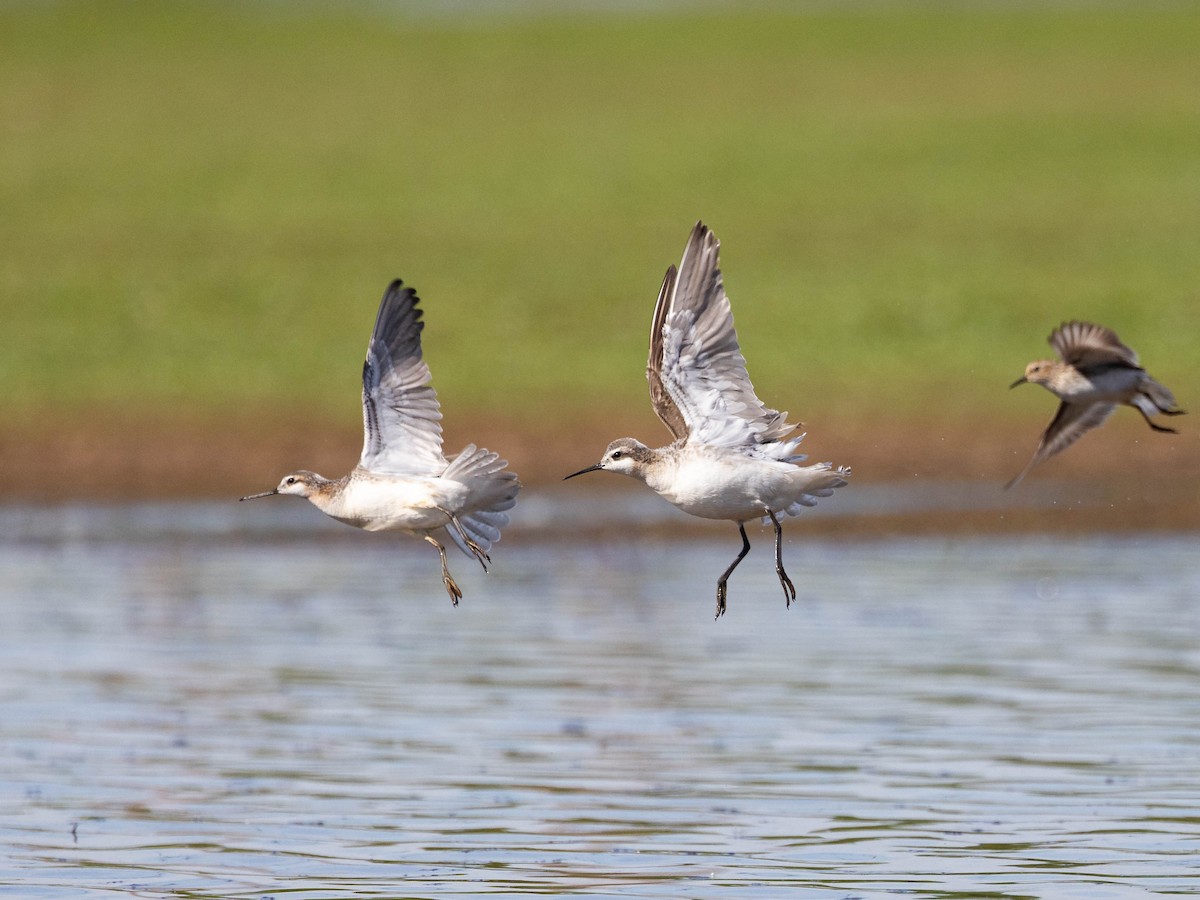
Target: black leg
(447, 579)
(1152, 425)
(722, 589)
(789, 589)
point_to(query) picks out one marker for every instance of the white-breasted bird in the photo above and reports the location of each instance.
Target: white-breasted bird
(732, 457)
(403, 482)
(1095, 374)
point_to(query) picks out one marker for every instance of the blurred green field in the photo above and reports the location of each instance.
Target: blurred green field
(201, 203)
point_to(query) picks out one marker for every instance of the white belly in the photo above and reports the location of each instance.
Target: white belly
(397, 503)
(738, 488)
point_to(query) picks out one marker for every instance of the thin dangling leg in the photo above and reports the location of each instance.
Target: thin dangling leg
(447, 579)
(475, 549)
(789, 589)
(1151, 423)
(1165, 405)
(722, 589)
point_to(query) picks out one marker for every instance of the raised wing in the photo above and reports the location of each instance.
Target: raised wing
(698, 380)
(1070, 423)
(402, 432)
(1085, 345)
(660, 396)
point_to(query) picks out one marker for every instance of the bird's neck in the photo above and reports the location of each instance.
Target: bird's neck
(656, 471)
(323, 491)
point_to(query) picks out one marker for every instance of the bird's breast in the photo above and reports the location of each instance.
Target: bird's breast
(721, 487)
(396, 503)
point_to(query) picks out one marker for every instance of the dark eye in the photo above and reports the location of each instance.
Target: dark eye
(291, 479)
(617, 454)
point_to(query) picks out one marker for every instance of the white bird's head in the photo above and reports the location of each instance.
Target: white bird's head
(302, 483)
(624, 455)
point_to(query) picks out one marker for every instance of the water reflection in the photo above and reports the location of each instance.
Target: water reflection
(194, 710)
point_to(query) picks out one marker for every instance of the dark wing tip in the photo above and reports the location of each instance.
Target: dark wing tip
(1079, 327)
(661, 307)
(701, 233)
(1057, 334)
(398, 303)
(668, 279)
(397, 331)
(397, 292)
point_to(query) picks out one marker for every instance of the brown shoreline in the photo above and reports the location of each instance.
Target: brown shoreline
(1123, 477)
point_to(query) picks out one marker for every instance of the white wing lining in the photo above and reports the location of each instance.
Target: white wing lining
(700, 366)
(402, 432)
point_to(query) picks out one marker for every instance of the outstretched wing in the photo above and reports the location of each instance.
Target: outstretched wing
(1085, 346)
(698, 380)
(1070, 423)
(402, 431)
(660, 396)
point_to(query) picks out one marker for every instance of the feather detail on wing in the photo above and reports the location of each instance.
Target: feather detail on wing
(1070, 423)
(402, 432)
(660, 396)
(698, 380)
(1085, 345)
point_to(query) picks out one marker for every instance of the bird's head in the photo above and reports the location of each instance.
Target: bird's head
(624, 455)
(302, 483)
(1038, 372)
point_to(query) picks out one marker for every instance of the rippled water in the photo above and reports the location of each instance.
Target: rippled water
(191, 708)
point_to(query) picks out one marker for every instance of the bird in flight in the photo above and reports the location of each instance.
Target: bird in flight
(1094, 374)
(732, 457)
(403, 481)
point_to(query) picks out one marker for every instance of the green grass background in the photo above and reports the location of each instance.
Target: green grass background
(201, 203)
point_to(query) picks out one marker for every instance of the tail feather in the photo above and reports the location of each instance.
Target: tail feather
(483, 527)
(819, 481)
(474, 462)
(493, 490)
(1162, 398)
(784, 451)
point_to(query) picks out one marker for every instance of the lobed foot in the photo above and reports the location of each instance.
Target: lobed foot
(475, 549)
(722, 588)
(452, 589)
(480, 555)
(789, 589)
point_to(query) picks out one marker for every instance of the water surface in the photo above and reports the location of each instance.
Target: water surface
(194, 703)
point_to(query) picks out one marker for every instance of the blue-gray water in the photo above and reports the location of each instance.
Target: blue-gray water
(245, 702)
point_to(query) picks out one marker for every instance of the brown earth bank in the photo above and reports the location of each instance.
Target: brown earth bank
(1122, 477)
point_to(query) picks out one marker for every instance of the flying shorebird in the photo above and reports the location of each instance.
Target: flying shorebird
(730, 459)
(1097, 372)
(403, 482)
